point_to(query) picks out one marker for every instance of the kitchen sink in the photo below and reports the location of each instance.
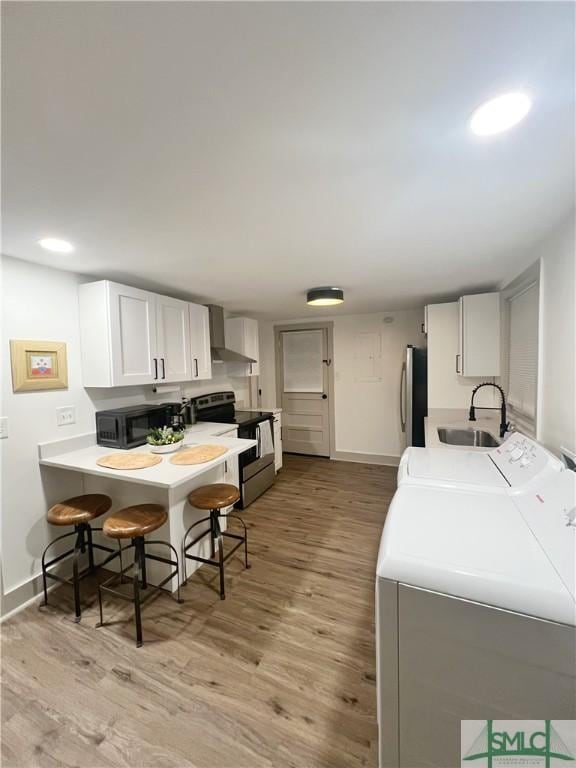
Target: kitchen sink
(473, 437)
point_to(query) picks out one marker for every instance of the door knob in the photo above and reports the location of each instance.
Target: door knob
(324, 397)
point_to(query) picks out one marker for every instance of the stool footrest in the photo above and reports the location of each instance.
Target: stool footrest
(226, 556)
(151, 589)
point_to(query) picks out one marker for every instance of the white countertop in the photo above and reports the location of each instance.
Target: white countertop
(164, 475)
(457, 418)
(209, 428)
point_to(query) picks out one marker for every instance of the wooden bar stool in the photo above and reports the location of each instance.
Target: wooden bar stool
(214, 498)
(78, 511)
(134, 523)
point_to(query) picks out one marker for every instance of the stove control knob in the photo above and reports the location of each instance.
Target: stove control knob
(516, 454)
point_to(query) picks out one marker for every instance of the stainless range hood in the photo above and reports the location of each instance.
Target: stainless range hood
(218, 339)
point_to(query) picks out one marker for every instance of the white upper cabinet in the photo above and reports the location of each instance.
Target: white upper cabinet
(118, 335)
(242, 337)
(200, 355)
(173, 339)
(479, 335)
(132, 337)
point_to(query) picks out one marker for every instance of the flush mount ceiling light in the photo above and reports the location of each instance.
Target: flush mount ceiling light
(56, 245)
(324, 297)
(500, 114)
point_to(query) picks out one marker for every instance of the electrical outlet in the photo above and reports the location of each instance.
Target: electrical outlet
(3, 427)
(66, 415)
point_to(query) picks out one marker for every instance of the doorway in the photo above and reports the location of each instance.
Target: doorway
(305, 387)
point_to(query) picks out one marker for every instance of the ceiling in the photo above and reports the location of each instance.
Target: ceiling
(241, 153)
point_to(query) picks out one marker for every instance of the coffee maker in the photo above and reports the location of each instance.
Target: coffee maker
(180, 415)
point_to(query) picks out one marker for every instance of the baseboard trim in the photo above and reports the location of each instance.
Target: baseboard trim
(366, 458)
(22, 596)
(30, 591)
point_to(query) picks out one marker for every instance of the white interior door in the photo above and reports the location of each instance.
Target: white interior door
(305, 404)
(173, 325)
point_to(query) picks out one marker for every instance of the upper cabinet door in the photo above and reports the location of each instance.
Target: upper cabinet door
(242, 337)
(132, 334)
(201, 358)
(479, 335)
(173, 335)
(252, 348)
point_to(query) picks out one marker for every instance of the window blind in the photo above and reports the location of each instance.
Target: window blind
(523, 356)
(303, 368)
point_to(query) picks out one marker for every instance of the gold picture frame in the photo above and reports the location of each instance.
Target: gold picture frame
(38, 365)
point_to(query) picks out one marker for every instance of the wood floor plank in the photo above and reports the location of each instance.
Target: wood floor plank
(279, 675)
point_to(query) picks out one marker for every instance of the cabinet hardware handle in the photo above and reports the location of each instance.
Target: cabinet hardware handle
(457, 363)
(155, 367)
(196, 367)
(402, 396)
(163, 368)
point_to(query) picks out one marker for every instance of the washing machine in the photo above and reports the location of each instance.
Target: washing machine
(475, 614)
(518, 463)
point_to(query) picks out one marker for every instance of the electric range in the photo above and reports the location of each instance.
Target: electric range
(256, 466)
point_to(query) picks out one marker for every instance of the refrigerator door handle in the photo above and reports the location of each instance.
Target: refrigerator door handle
(403, 397)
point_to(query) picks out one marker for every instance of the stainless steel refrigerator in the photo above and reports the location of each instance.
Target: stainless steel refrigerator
(414, 394)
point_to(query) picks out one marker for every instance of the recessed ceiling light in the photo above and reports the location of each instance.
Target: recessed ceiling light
(500, 114)
(325, 297)
(56, 245)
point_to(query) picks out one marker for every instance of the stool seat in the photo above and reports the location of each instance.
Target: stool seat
(135, 521)
(214, 496)
(79, 509)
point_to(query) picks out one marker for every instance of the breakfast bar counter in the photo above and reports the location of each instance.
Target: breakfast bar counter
(164, 483)
(164, 475)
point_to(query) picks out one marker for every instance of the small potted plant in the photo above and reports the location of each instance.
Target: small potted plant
(165, 440)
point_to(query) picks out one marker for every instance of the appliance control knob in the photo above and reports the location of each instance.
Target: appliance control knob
(516, 454)
(524, 462)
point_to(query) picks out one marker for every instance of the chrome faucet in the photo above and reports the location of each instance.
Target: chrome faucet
(503, 423)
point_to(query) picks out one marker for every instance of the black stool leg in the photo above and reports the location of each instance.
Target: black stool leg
(90, 549)
(44, 580)
(220, 540)
(138, 553)
(212, 537)
(143, 568)
(78, 548)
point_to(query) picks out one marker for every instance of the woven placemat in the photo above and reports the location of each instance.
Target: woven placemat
(198, 454)
(129, 460)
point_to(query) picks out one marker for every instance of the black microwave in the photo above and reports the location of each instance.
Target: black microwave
(129, 427)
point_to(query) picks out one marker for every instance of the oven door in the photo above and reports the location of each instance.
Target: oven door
(253, 461)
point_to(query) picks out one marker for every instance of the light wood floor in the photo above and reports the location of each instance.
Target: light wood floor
(281, 673)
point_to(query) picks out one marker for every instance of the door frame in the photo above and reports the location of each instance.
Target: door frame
(328, 326)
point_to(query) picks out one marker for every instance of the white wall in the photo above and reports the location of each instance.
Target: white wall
(42, 303)
(557, 348)
(366, 407)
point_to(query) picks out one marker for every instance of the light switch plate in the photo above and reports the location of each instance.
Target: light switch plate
(66, 415)
(3, 427)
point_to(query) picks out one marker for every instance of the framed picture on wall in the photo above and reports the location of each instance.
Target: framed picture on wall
(38, 365)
